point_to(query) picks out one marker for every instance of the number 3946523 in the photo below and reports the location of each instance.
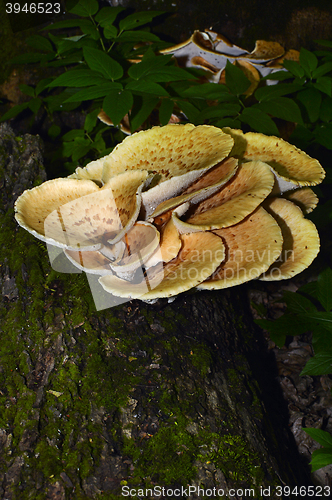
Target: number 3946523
(33, 8)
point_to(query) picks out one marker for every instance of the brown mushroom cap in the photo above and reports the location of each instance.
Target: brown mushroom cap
(170, 245)
(287, 161)
(305, 198)
(251, 184)
(200, 255)
(301, 240)
(203, 187)
(251, 247)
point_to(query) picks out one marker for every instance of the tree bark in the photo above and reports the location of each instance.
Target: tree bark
(141, 396)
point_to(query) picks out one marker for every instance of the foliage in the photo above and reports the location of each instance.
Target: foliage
(108, 59)
(322, 456)
(310, 308)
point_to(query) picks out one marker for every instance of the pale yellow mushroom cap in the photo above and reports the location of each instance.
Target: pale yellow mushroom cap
(300, 240)
(287, 161)
(251, 247)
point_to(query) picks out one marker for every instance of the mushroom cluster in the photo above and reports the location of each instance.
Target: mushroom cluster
(178, 207)
(211, 51)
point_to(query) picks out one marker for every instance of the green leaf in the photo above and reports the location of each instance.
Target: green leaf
(236, 80)
(322, 70)
(325, 113)
(320, 364)
(324, 84)
(323, 135)
(321, 341)
(288, 324)
(42, 84)
(311, 100)
(326, 43)
(324, 289)
(294, 68)
(308, 61)
(54, 131)
(57, 102)
(278, 75)
(189, 110)
(228, 122)
(169, 74)
(95, 92)
(220, 111)
(165, 111)
(141, 110)
(301, 136)
(310, 288)
(107, 15)
(322, 437)
(138, 19)
(78, 78)
(85, 8)
(259, 121)
(91, 120)
(137, 36)
(110, 32)
(89, 28)
(16, 110)
(320, 458)
(26, 89)
(147, 66)
(67, 60)
(147, 87)
(40, 43)
(117, 104)
(35, 104)
(297, 303)
(320, 319)
(281, 107)
(99, 61)
(208, 91)
(272, 91)
(72, 134)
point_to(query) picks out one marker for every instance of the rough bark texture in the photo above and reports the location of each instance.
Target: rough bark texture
(170, 394)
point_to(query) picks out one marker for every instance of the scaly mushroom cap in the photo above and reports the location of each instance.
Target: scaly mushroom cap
(288, 162)
(209, 196)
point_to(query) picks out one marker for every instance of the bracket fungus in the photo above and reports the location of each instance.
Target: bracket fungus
(179, 207)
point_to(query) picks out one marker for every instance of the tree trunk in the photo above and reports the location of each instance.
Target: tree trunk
(135, 396)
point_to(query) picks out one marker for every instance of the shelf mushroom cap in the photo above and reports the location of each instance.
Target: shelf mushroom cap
(252, 246)
(180, 207)
(289, 163)
(300, 240)
(77, 214)
(198, 258)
